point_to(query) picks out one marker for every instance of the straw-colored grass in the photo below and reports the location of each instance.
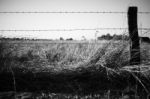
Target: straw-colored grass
(74, 60)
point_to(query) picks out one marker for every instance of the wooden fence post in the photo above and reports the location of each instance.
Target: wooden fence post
(134, 37)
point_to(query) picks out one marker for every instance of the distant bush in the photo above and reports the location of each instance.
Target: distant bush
(145, 39)
(61, 38)
(69, 39)
(114, 37)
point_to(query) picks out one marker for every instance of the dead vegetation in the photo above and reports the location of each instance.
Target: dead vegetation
(79, 68)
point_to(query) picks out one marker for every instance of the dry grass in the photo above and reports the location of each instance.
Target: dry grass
(63, 54)
(49, 54)
(110, 56)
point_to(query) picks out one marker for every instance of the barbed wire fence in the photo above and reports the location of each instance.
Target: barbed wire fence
(147, 30)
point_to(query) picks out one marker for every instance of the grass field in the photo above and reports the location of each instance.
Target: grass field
(58, 56)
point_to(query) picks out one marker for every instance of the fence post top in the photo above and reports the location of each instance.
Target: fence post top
(133, 9)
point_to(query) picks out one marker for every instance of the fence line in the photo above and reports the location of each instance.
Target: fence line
(67, 12)
(75, 29)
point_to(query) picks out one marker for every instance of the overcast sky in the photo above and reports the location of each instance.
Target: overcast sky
(69, 21)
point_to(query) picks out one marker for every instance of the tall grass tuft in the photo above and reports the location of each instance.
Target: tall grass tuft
(116, 56)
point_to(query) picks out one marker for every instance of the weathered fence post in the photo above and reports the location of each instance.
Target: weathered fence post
(134, 37)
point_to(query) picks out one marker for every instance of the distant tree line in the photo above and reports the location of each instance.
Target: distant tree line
(114, 37)
(68, 39)
(33, 39)
(18, 39)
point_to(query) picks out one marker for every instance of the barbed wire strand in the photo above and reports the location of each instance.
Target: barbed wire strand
(76, 29)
(67, 12)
